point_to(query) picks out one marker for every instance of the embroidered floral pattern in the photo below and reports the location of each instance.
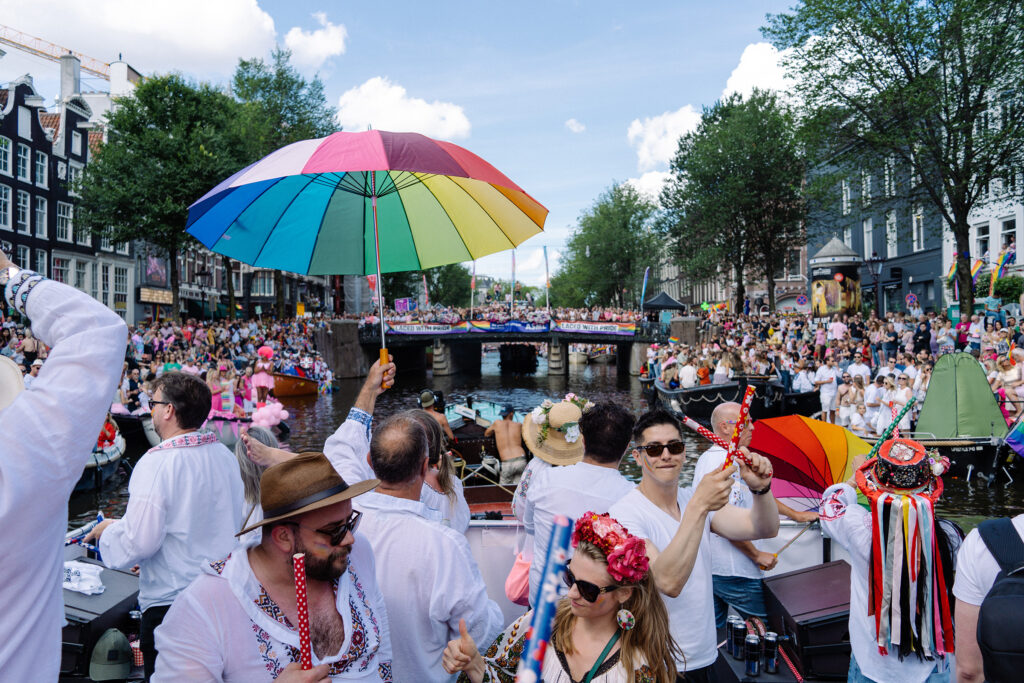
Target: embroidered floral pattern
(190, 440)
(384, 671)
(267, 654)
(833, 508)
(644, 675)
(363, 418)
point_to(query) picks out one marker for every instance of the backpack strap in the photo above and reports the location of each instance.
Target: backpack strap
(1003, 541)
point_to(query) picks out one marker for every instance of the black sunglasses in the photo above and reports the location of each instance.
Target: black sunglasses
(160, 403)
(588, 591)
(337, 533)
(653, 450)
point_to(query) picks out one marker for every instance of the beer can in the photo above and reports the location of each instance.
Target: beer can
(752, 655)
(771, 652)
(738, 635)
(728, 632)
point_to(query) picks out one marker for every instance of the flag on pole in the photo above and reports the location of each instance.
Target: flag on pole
(547, 282)
(426, 294)
(472, 279)
(643, 289)
(976, 270)
(952, 270)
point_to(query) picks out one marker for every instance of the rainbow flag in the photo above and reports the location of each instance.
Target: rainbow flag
(1015, 439)
(997, 272)
(975, 270)
(673, 340)
(951, 275)
(1004, 257)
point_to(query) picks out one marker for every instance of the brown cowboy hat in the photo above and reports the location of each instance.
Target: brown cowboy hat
(555, 450)
(302, 484)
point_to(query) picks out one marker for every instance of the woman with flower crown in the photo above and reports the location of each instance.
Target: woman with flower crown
(611, 627)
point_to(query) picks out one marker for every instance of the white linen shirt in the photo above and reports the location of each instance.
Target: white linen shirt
(425, 568)
(976, 569)
(727, 559)
(691, 614)
(48, 434)
(568, 491)
(224, 627)
(184, 509)
(849, 524)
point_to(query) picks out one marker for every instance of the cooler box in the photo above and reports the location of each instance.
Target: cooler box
(810, 608)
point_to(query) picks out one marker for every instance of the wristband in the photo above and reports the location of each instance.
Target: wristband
(761, 492)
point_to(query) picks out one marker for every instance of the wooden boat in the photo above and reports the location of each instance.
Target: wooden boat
(138, 432)
(102, 465)
(293, 385)
(469, 420)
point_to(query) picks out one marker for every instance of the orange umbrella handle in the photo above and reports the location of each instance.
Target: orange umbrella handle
(384, 360)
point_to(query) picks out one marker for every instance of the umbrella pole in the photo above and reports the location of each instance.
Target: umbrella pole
(380, 282)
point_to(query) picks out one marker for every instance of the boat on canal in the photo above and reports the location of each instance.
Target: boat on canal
(293, 385)
(102, 466)
(770, 398)
(138, 432)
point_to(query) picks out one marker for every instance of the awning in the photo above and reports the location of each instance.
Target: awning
(663, 302)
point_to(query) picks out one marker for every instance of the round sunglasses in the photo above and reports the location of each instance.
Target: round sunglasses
(653, 450)
(588, 591)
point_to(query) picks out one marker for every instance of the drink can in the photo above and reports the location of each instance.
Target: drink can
(738, 635)
(752, 655)
(728, 632)
(771, 652)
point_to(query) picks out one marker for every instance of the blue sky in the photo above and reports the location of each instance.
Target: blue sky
(565, 98)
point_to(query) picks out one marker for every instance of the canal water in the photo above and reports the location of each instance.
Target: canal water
(313, 419)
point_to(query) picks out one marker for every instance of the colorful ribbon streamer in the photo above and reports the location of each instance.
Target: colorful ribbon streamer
(545, 603)
(302, 607)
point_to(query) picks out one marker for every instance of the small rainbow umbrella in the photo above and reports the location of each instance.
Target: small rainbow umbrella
(365, 203)
(807, 455)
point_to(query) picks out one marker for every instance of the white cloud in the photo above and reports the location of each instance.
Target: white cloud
(759, 67)
(650, 184)
(198, 37)
(385, 105)
(657, 138)
(313, 48)
(575, 126)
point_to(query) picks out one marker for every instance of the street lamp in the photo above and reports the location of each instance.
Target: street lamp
(874, 265)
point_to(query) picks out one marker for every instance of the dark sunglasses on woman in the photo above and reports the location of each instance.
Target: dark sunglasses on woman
(588, 591)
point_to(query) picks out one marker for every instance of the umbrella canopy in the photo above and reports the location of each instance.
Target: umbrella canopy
(309, 207)
(810, 454)
(663, 302)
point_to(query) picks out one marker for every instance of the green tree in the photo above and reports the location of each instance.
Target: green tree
(933, 86)
(280, 106)
(734, 204)
(167, 145)
(604, 260)
(449, 285)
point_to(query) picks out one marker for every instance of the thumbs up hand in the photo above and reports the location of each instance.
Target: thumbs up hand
(461, 655)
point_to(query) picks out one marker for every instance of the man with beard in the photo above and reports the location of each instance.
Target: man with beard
(238, 620)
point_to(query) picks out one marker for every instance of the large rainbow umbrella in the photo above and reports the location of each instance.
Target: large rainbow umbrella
(363, 204)
(807, 455)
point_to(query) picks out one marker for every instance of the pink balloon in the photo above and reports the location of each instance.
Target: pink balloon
(284, 414)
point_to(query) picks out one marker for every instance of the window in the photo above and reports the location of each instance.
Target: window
(41, 164)
(5, 155)
(5, 207)
(41, 217)
(83, 236)
(846, 197)
(869, 246)
(23, 257)
(982, 232)
(865, 188)
(74, 176)
(890, 177)
(263, 283)
(24, 172)
(76, 143)
(105, 243)
(41, 262)
(1009, 233)
(105, 283)
(80, 275)
(95, 281)
(890, 234)
(61, 266)
(65, 221)
(120, 289)
(918, 229)
(793, 264)
(22, 211)
(915, 161)
(122, 248)
(848, 236)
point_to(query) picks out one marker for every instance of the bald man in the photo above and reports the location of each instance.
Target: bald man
(738, 567)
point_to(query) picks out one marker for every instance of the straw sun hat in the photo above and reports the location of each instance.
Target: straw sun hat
(552, 431)
(11, 383)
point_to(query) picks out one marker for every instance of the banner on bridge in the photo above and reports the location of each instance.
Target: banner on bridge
(512, 327)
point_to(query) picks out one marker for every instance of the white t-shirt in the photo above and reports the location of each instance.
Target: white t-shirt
(826, 374)
(687, 376)
(976, 569)
(859, 368)
(691, 614)
(568, 491)
(849, 524)
(727, 559)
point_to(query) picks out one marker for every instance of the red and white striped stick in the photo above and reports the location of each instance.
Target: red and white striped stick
(896, 429)
(302, 606)
(741, 423)
(712, 437)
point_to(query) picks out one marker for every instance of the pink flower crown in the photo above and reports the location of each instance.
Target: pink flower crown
(626, 554)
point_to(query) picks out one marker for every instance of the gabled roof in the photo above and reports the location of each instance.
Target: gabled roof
(3, 97)
(49, 120)
(95, 140)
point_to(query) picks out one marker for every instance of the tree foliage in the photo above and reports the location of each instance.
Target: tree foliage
(933, 85)
(734, 203)
(167, 145)
(604, 260)
(449, 285)
(279, 107)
